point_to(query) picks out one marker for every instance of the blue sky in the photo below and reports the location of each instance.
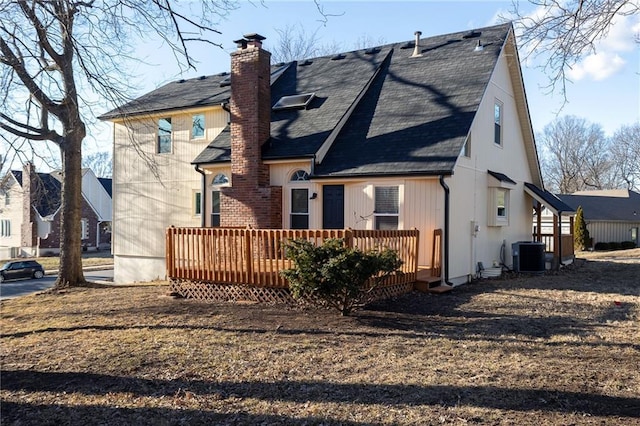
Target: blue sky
(605, 87)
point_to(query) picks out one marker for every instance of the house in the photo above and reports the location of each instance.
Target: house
(29, 212)
(611, 215)
(432, 134)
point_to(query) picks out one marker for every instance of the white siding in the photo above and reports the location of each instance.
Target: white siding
(96, 196)
(607, 232)
(154, 191)
(470, 185)
(13, 213)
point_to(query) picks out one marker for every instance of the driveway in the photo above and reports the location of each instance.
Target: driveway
(11, 289)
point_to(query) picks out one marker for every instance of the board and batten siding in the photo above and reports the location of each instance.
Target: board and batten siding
(609, 231)
(154, 191)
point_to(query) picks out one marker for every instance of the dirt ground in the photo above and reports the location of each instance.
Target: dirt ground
(563, 348)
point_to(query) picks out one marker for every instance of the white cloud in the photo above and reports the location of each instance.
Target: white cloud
(597, 66)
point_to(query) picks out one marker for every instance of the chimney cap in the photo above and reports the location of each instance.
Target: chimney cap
(254, 37)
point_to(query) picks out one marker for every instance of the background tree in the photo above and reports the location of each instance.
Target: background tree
(101, 163)
(564, 31)
(625, 155)
(52, 52)
(575, 156)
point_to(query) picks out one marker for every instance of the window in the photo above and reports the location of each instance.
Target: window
(299, 176)
(7, 198)
(497, 123)
(84, 233)
(498, 207)
(164, 135)
(220, 179)
(386, 207)
(466, 149)
(197, 203)
(5, 228)
(197, 127)
(215, 207)
(299, 208)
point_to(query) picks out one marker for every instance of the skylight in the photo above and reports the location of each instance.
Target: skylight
(294, 101)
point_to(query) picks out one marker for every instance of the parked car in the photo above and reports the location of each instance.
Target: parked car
(21, 269)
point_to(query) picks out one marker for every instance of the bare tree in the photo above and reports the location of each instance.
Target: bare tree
(52, 52)
(101, 163)
(625, 155)
(564, 31)
(575, 156)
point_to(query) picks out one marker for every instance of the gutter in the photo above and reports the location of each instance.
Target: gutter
(203, 197)
(445, 255)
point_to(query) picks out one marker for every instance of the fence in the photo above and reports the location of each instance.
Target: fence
(256, 256)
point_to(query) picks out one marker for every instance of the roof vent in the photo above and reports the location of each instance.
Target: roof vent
(408, 45)
(182, 80)
(479, 47)
(372, 51)
(202, 77)
(294, 101)
(223, 73)
(305, 63)
(472, 34)
(338, 57)
(279, 64)
(416, 48)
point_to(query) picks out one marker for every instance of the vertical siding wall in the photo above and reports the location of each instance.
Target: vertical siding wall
(13, 213)
(607, 232)
(145, 204)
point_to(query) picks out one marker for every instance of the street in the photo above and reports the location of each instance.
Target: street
(11, 289)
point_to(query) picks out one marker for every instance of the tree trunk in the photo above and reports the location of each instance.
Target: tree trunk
(70, 273)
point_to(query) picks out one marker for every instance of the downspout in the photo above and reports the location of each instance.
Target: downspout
(203, 197)
(560, 240)
(445, 255)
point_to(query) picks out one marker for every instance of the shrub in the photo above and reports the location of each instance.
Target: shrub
(581, 240)
(628, 245)
(614, 245)
(334, 275)
(601, 246)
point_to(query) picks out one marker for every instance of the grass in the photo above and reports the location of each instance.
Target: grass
(89, 258)
(563, 348)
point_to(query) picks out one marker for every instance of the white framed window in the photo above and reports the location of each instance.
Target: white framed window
(466, 149)
(387, 207)
(497, 122)
(5, 228)
(498, 214)
(84, 228)
(197, 126)
(220, 179)
(197, 203)
(299, 176)
(164, 135)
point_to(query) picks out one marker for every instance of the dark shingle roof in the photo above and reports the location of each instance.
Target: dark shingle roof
(607, 208)
(390, 113)
(194, 92)
(106, 184)
(501, 177)
(556, 205)
(47, 193)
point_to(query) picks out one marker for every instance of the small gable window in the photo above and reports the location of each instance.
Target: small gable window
(299, 176)
(386, 207)
(5, 228)
(220, 179)
(466, 149)
(197, 126)
(164, 136)
(497, 123)
(197, 203)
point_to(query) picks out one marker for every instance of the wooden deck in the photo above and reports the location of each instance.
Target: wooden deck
(255, 257)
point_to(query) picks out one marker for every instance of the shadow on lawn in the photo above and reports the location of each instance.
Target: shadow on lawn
(322, 392)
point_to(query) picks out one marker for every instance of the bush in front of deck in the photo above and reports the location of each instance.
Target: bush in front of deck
(335, 275)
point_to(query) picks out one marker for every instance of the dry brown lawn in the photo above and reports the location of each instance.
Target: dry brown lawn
(560, 349)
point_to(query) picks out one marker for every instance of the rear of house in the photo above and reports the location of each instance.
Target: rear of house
(432, 134)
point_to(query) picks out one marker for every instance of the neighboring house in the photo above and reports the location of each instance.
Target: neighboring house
(428, 135)
(30, 206)
(611, 215)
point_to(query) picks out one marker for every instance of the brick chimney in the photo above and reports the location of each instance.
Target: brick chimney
(29, 231)
(250, 200)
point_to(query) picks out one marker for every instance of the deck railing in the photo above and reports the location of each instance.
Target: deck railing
(256, 256)
(550, 244)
